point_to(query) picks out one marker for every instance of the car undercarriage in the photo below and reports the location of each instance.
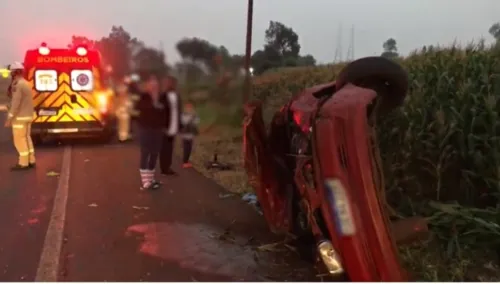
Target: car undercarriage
(316, 170)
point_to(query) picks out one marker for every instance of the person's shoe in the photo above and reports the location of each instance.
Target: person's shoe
(32, 165)
(187, 165)
(146, 187)
(169, 172)
(19, 168)
(156, 184)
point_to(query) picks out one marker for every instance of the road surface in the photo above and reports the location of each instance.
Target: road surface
(79, 216)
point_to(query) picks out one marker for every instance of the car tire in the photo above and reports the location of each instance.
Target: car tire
(383, 75)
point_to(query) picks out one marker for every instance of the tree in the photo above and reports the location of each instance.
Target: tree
(230, 62)
(307, 60)
(265, 59)
(282, 39)
(198, 51)
(151, 61)
(118, 50)
(282, 49)
(495, 31)
(125, 54)
(77, 40)
(390, 49)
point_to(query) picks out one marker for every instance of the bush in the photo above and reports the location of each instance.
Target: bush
(443, 145)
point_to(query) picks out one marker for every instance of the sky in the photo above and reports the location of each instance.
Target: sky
(413, 23)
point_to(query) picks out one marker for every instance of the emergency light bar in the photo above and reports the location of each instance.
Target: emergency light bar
(82, 51)
(43, 49)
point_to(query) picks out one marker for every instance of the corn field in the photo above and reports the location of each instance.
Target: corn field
(443, 145)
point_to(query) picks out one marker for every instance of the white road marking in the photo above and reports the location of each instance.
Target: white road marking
(48, 267)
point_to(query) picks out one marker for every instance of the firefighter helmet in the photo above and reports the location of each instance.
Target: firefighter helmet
(16, 66)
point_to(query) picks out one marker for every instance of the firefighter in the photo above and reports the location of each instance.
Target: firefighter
(20, 117)
(123, 108)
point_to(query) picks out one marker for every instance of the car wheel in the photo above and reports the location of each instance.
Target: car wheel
(383, 75)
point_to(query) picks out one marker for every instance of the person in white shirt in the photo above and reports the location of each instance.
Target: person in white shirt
(172, 124)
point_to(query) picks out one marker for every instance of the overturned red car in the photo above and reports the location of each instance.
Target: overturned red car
(317, 175)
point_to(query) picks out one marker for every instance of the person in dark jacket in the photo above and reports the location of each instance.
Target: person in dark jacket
(173, 110)
(151, 120)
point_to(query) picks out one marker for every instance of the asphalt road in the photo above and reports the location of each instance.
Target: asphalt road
(79, 216)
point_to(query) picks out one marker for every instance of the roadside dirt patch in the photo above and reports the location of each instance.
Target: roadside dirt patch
(227, 144)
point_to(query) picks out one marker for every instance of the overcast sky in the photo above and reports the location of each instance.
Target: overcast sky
(412, 23)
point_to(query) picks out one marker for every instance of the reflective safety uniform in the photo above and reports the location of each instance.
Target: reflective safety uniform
(21, 113)
(123, 108)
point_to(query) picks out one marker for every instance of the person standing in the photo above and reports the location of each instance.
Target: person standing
(189, 129)
(20, 117)
(151, 120)
(173, 105)
(123, 105)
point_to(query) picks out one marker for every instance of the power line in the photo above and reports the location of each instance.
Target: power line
(350, 51)
(338, 50)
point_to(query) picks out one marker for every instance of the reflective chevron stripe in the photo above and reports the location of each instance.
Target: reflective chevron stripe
(61, 100)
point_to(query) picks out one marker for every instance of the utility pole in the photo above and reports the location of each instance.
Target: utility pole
(248, 53)
(338, 50)
(350, 51)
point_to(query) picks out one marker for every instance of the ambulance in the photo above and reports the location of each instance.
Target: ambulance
(70, 93)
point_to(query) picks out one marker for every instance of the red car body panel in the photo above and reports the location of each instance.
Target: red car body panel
(342, 150)
(261, 170)
(344, 146)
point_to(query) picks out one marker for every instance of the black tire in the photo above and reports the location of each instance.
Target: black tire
(383, 75)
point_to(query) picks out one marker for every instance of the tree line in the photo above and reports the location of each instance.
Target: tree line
(390, 49)
(126, 53)
(281, 49)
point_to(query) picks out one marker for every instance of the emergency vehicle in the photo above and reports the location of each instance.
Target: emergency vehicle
(70, 96)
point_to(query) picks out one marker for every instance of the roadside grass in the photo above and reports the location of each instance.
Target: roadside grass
(223, 140)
